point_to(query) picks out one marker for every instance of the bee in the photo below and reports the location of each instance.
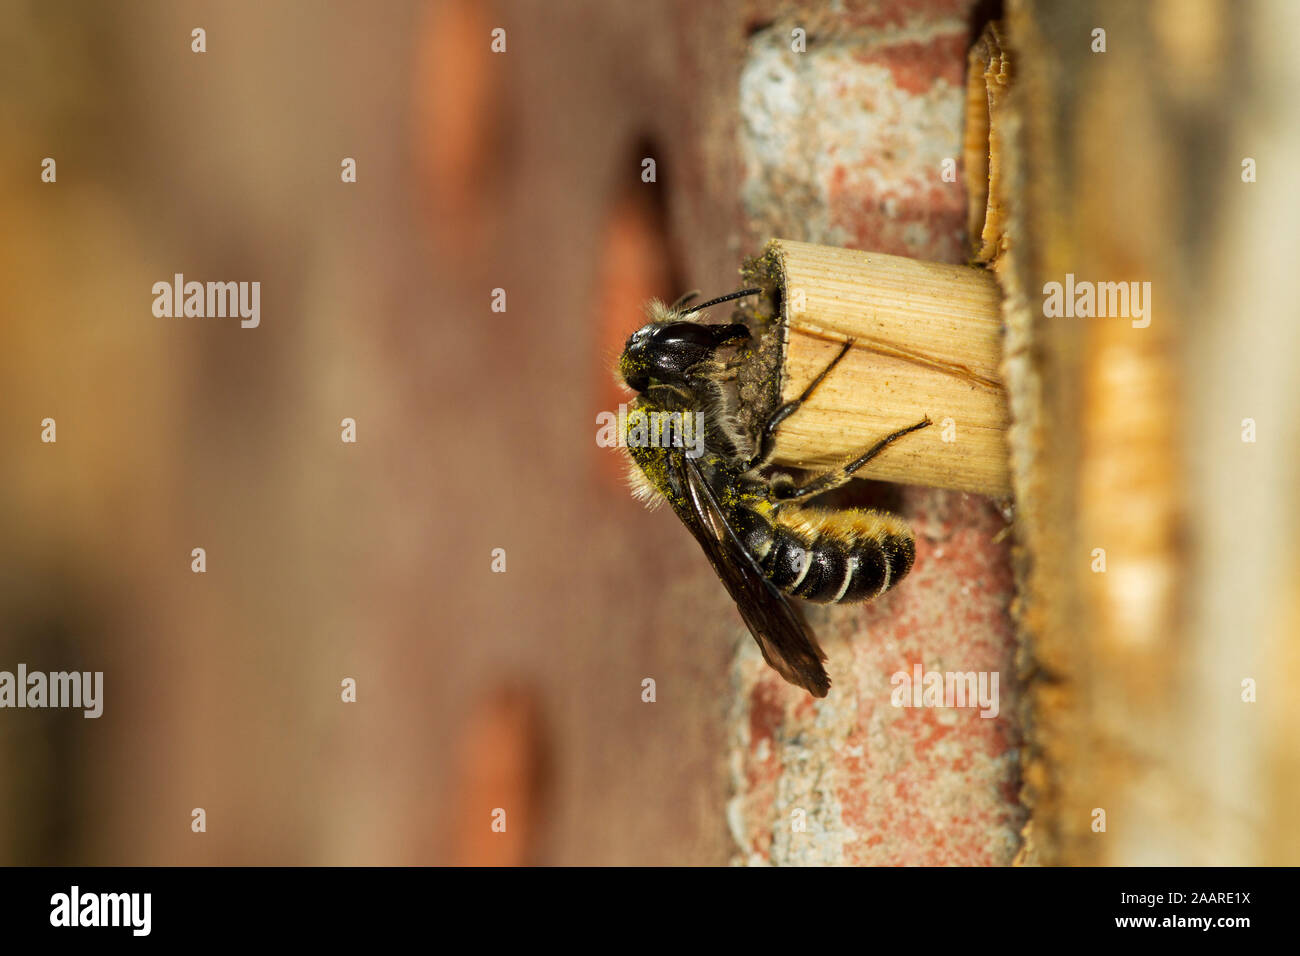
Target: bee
(764, 540)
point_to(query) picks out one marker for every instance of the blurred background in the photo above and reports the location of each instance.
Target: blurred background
(522, 170)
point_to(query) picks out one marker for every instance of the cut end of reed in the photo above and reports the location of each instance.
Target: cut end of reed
(926, 343)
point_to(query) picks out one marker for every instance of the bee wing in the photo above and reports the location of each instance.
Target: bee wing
(785, 640)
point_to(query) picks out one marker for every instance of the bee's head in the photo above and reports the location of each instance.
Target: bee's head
(666, 353)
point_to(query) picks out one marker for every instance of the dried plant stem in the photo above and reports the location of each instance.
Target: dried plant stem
(927, 342)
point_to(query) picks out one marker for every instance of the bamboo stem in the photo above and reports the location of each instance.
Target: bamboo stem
(927, 341)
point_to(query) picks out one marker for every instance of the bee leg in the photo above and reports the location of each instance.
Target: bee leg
(730, 368)
(787, 490)
(738, 361)
(768, 439)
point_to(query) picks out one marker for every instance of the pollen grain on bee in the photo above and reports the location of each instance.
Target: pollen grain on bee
(637, 428)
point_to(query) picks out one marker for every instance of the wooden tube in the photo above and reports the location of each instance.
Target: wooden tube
(927, 342)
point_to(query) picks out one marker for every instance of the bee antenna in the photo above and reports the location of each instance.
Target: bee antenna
(726, 298)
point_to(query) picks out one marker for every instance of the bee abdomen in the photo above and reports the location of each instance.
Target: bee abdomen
(829, 557)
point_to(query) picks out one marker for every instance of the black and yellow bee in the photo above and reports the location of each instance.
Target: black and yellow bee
(762, 540)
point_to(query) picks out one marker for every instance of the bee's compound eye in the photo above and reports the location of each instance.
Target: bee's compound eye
(667, 353)
(697, 337)
(689, 334)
